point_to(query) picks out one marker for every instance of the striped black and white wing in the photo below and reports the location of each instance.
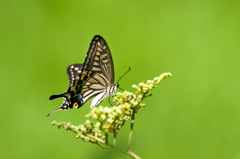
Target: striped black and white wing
(99, 59)
(97, 72)
(95, 86)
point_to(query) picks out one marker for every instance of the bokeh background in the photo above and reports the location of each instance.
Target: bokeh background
(193, 115)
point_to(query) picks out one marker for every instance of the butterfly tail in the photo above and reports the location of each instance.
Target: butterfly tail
(63, 95)
(64, 106)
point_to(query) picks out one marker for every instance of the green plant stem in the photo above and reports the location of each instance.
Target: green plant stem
(127, 151)
(96, 138)
(132, 120)
(114, 137)
(131, 127)
(130, 153)
(104, 147)
(106, 139)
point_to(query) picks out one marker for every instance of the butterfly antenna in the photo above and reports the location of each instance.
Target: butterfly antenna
(123, 74)
(121, 89)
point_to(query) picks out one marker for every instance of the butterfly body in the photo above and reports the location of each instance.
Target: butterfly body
(93, 78)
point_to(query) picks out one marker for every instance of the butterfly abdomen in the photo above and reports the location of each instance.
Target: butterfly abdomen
(111, 90)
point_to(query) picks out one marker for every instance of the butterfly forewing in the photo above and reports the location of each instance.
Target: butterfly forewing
(99, 59)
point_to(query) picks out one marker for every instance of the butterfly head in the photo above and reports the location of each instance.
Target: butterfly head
(117, 85)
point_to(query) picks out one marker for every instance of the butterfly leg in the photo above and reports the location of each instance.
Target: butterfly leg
(109, 100)
(112, 98)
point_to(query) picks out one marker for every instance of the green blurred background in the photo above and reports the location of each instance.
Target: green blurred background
(192, 115)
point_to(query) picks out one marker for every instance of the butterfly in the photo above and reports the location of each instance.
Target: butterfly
(93, 78)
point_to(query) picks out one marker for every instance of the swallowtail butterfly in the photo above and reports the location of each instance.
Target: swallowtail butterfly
(95, 77)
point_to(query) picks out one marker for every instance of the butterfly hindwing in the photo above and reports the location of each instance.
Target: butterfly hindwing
(71, 99)
(94, 86)
(73, 71)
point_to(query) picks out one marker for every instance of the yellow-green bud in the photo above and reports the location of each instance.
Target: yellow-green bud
(54, 122)
(145, 89)
(94, 116)
(87, 138)
(103, 116)
(98, 124)
(110, 120)
(87, 122)
(133, 102)
(83, 129)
